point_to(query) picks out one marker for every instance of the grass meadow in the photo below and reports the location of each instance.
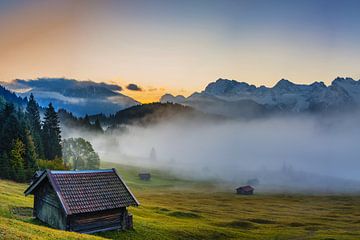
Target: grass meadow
(173, 208)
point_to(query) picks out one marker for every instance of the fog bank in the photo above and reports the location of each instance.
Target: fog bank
(232, 150)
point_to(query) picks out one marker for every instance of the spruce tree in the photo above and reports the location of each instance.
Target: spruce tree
(33, 118)
(97, 126)
(51, 137)
(17, 161)
(17, 150)
(4, 166)
(30, 155)
(11, 128)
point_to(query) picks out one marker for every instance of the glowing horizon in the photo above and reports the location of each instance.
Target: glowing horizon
(178, 47)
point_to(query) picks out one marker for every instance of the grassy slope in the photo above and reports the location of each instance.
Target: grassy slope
(178, 209)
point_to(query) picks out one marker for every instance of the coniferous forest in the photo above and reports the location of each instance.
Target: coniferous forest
(25, 139)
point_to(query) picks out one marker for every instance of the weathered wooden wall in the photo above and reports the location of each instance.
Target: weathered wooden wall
(47, 207)
(98, 221)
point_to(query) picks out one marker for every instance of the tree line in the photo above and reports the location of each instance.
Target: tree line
(25, 139)
(29, 143)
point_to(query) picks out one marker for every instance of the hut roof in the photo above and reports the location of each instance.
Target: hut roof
(245, 188)
(38, 173)
(87, 190)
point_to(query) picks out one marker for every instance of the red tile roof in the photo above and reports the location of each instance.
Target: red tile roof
(89, 191)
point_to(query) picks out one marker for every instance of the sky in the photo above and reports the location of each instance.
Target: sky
(178, 47)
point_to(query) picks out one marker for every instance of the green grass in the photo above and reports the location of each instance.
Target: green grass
(172, 208)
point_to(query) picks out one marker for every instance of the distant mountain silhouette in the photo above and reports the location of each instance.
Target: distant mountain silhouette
(141, 115)
(79, 97)
(153, 113)
(9, 96)
(239, 99)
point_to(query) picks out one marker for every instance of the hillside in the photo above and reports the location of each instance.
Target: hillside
(178, 209)
(142, 115)
(152, 113)
(8, 96)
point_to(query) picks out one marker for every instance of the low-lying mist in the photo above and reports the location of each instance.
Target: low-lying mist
(302, 151)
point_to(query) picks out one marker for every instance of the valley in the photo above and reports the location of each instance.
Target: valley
(173, 208)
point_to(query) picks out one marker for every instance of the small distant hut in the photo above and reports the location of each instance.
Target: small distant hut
(145, 176)
(84, 201)
(245, 190)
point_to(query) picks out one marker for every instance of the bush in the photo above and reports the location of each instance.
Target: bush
(56, 164)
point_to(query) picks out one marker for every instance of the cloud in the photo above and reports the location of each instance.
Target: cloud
(79, 97)
(133, 87)
(65, 86)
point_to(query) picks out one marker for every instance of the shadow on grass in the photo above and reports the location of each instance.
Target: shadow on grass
(241, 224)
(177, 214)
(261, 221)
(181, 214)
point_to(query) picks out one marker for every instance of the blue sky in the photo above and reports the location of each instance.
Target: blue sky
(180, 46)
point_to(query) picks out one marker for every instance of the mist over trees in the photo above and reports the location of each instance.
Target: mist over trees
(87, 123)
(79, 154)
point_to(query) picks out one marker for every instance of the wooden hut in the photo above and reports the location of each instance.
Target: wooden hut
(82, 201)
(145, 176)
(245, 190)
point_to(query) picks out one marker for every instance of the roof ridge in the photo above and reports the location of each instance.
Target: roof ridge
(80, 171)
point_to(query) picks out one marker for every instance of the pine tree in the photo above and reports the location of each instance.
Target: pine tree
(4, 166)
(30, 155)
(10, 128)
(33, 118)
(86, 122)
(17, 150)
(97, 126)
(51, 137)
(17, 161)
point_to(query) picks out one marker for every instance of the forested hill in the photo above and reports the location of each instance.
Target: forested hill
(152, 113)
(8, 96)
(144, 115)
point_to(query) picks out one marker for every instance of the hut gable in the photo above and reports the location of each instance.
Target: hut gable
(100, 195)
(48, 208)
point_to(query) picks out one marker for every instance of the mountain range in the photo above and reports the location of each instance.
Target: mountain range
(79, 97)
(240, 99)
(224, 97)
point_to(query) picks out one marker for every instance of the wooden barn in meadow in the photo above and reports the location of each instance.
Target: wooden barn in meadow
(82, 201)
(245, 190)
(145, 176)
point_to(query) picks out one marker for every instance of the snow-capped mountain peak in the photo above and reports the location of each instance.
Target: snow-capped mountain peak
(283, 96)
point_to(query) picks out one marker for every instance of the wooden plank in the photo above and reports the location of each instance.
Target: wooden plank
(97, 221)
